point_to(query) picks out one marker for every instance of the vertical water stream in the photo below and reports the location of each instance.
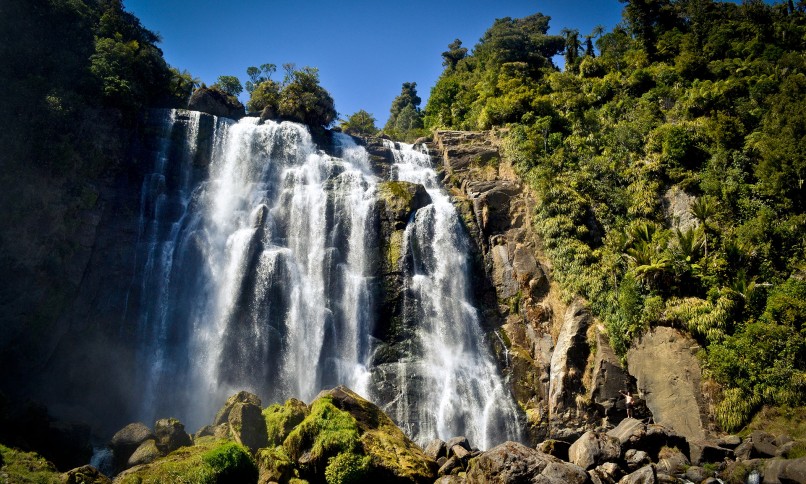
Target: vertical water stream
(254, 271)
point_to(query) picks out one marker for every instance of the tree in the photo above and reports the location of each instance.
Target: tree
(360, 123)
(454, 54)
(265, 95)
(407, 97)
(303, 100)
(228, 84)
(572, 47)
(703, 209)
(595, 33)
(257, 75)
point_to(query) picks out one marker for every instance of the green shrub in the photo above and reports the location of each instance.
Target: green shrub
(347, 468)
(231, 463)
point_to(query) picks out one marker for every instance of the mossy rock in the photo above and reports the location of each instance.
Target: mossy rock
(209, 461)
(26, 467)
(343, 422)
(394, 250)
(274, 465)
(281, 419)
(400, 199)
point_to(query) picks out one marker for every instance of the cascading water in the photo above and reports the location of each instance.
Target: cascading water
(461, 392)
(255, 271)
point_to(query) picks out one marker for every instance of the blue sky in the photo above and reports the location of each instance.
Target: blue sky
(364, 50)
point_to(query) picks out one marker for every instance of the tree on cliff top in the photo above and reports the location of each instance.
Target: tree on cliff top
(405, 119)
(303, 100)
(360, 123)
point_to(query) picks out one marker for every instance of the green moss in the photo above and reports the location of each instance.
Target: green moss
(394, 249)
(397, 190)
(26, 467)
(281, 419)
(275, 465)
(325, 432)
(231, 463)
(209, 461)
(348, 468)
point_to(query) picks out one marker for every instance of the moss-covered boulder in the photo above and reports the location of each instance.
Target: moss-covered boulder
(84, 475)
(209, 461)
(281, 419)
(346, 438)
(274, 465)
(399, 199)
(170, 435)
(248, 426)
(222, 416)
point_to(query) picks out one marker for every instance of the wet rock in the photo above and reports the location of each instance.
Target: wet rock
(85, 475)
(241, 397)
(451, 479)
(247, 426)
(644, 475)
(170, 435)
(667, 374)
(146, 453)
(512, 462)
(435, 449)
(215, 102)
(127, 440)
(593, 449)
(569, 359)
(400, 199)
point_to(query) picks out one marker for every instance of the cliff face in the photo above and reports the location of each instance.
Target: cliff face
(557, 357)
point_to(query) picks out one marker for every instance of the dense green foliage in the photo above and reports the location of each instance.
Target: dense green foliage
(690, 103)
(360, 123)
(231, 463)
(230, 85)
(65, 59)
(405, 118)
(26, 467)
(298, 98)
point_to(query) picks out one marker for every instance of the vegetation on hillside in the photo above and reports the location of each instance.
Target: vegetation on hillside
(688, 103)
(64, 60)
(298, 98)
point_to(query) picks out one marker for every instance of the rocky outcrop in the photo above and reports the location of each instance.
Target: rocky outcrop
(512, 282)
(664, 364)
(569, 359)
(512, 462)
(170, 435)
(608, 379)
(593, 449)
(127, 440)
(215, 102)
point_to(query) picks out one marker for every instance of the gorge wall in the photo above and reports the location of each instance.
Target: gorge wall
(431, 312)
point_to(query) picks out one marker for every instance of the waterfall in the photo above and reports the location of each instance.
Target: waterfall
(460, 388)
(256, 269)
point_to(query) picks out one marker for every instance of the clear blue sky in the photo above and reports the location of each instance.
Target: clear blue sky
(364, 49)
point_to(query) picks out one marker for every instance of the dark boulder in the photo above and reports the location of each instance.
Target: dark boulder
(127, 440)
(215, 102)
(85, 475)
(241, 397)
(247, 426)
(170, 435)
